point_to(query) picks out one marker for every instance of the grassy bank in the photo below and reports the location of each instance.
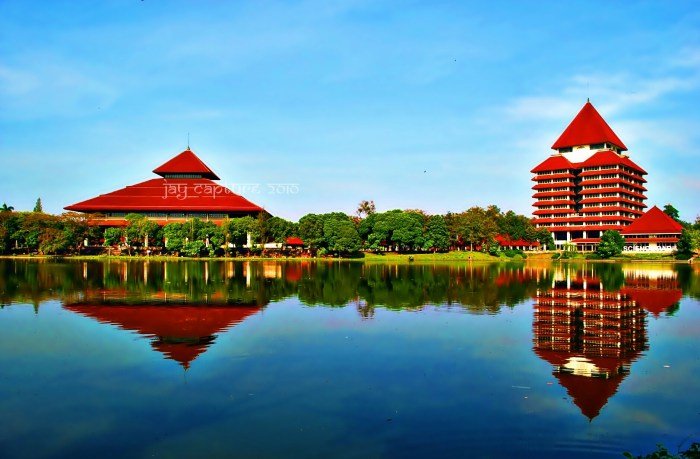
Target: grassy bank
(389, 257)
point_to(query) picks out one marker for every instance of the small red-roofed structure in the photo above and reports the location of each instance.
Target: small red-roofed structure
(589, 186)
(294, 241)
(185, 190)
(655, 231)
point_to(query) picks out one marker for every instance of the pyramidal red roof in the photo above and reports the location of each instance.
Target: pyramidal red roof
(587, 128)
(186, 163)
(654, 221)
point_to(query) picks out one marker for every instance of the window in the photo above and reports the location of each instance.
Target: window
(182, 175)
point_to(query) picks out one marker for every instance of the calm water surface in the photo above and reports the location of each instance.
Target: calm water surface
(267, 360)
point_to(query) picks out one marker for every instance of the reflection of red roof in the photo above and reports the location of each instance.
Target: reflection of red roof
(169, 195)
(294, 241)
(587, 128)
(183, 332)
(654, 221)
(186, 163)
(590, 394)
(656, 301)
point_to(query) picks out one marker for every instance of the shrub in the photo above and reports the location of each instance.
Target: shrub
(556, 256)
(662, 453)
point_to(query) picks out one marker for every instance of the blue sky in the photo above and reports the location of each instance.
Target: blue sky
(433, 105)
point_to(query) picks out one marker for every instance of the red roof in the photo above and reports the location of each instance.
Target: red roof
(607, 158)
(505, 241)
(186, 163)
(553, 163)
(654, 221)
(294, 241)
(169, 195)
(587, 128)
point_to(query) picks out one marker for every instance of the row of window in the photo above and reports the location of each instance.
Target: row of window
(200, 215)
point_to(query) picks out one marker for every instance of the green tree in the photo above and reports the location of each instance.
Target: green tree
(672, 212)
(112, 236)
(478, 226)
(236, 230)
(193, 248)
(407, 229)
(544, 237)
(311, 230)
(685, 242)
(611, 244)
(437, 236)
(38, 207)
(6, 208)
(280, 229)
(175, 235)
(340, 235)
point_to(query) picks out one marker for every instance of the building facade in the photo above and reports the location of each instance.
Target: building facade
(652, 232)
(589, 185)
(186, 189)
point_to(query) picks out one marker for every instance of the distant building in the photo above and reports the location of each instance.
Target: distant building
(185, 190)
(589, 185)
(654, 231)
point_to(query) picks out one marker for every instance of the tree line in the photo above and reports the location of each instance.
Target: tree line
(333, 233)
(329, 234)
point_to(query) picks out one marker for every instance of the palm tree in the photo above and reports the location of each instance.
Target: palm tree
(6, 208)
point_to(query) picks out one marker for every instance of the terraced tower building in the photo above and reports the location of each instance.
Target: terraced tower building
(589, 185)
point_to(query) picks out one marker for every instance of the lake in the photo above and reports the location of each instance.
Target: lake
(182, 359)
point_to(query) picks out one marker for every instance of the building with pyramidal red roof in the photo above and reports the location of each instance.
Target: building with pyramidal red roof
(655, 231)
(589, 185)
(186, 189)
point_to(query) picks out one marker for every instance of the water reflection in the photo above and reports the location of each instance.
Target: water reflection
(180, 333)
(589, 319)
(589, 334)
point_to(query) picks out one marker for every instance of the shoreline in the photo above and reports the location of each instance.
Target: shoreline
(422, 258)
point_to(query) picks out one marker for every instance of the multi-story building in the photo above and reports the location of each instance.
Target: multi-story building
(589, 185)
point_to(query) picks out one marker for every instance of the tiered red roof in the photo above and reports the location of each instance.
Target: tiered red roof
(173, 194)
(185, 163)
(588, 128)
(160, 195)
(552, 163)
(654, 221)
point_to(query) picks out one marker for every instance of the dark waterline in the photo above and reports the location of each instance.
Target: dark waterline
(267, 359)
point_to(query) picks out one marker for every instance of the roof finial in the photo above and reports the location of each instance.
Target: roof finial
(188, 140)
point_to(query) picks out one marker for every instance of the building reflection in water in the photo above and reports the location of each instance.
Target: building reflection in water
(180, 333)
(170, 304)
(589, 335)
